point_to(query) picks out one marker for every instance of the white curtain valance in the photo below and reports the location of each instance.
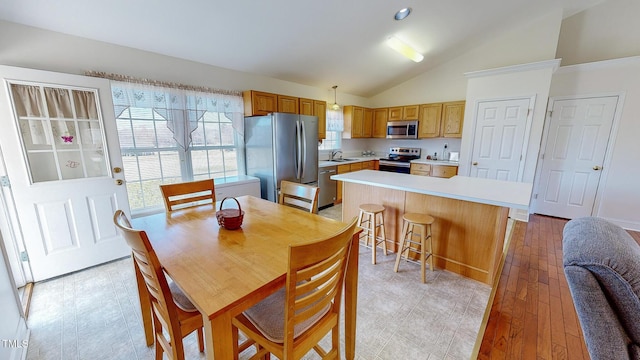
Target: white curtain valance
(181, 108)
(335, 120)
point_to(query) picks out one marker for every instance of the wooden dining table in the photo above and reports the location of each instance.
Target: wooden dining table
(224, 272)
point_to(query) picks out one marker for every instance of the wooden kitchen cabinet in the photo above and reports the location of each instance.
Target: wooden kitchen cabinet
(441, 120)
(317, 108)
(287, 104)
(409, 112)
(444, 171)
(429, 120)
(395, 113)
(263, 103)
(420, 169)
(357, 122)
(259, 103)
(380, 117)
(367, 125)
(452, 119)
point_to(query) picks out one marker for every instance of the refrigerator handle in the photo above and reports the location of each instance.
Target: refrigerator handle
(303, 160)
(298, 151)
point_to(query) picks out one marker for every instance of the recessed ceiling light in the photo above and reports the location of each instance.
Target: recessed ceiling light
(402, 13)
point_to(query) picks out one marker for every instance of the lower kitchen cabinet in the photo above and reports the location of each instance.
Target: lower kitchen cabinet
(442, 171)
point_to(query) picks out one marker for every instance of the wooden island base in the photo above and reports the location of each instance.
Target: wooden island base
(468, 237)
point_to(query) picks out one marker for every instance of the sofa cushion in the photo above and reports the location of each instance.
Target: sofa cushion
(613, 258)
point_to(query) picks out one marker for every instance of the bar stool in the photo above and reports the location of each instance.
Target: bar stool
(369, 222)
(423, 223)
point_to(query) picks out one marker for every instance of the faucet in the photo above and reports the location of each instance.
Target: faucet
(334, 153)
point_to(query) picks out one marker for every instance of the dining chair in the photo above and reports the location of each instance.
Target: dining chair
(186, 194)
(171, 309)
(293, 320)
(299, 196)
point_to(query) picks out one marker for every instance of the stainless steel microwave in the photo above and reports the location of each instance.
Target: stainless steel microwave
(402, 129)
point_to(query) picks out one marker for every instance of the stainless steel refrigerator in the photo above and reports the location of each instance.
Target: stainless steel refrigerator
(281, 146)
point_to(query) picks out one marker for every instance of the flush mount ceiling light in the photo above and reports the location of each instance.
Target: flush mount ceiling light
(404, 49)
(402, 13)
(335, 105)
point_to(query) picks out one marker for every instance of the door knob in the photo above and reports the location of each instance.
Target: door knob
(474, 163)
(119, 182)
(117, 170)
(597, 168)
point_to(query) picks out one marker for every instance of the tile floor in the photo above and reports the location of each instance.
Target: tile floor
(94, 314)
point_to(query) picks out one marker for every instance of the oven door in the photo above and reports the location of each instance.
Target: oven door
(394, 166)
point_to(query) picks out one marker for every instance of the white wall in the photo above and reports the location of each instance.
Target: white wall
(609, 30)
(12, 325)
(618, 196)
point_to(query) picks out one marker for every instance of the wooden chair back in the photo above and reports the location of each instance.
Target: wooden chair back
(299, 196)
(186, 194)
(314, 284)
(166, 313)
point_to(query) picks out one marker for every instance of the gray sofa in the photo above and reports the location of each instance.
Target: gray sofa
(602, 266)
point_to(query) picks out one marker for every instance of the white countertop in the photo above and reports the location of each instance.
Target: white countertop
(485, 191)
(435, 162)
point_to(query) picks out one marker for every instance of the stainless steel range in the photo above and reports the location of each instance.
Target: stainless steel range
(399, 159)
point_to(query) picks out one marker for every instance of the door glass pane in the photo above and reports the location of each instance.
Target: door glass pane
(61, 132)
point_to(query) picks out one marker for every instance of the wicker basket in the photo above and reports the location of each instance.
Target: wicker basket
(230, 219)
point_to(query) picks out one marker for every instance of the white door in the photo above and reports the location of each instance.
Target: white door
(499, 139)
(63, 163)
(578, 134)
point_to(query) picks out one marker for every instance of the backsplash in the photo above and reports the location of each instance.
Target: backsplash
(355, 147)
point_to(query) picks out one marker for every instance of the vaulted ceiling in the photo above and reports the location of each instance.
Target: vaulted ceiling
(316, 43)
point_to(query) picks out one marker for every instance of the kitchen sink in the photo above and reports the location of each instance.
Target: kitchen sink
(343, 160)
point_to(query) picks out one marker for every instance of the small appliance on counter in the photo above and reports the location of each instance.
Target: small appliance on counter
(454, 156)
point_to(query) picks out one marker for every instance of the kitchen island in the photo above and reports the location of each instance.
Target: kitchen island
(470, 214)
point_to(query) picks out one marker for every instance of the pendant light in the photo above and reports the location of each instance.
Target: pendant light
(335, 105)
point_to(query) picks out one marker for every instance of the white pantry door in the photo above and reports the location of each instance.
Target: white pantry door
(577, 139)
(61, 150)
(499, 139)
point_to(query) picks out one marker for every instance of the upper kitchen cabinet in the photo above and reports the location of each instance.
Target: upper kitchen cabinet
(429, 120)
(357, 122)
(287, 104)
(409, 112)
(380, 117)
(441, 120)
(395, 113)
(367, 125)
(452, 119)
(259, 103)
(262, 103)
(319, 109)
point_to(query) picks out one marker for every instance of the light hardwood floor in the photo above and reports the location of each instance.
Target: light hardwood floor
(532, 315)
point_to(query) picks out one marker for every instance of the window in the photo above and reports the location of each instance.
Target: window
(333, 141)
(152, 154)
(335, 126)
